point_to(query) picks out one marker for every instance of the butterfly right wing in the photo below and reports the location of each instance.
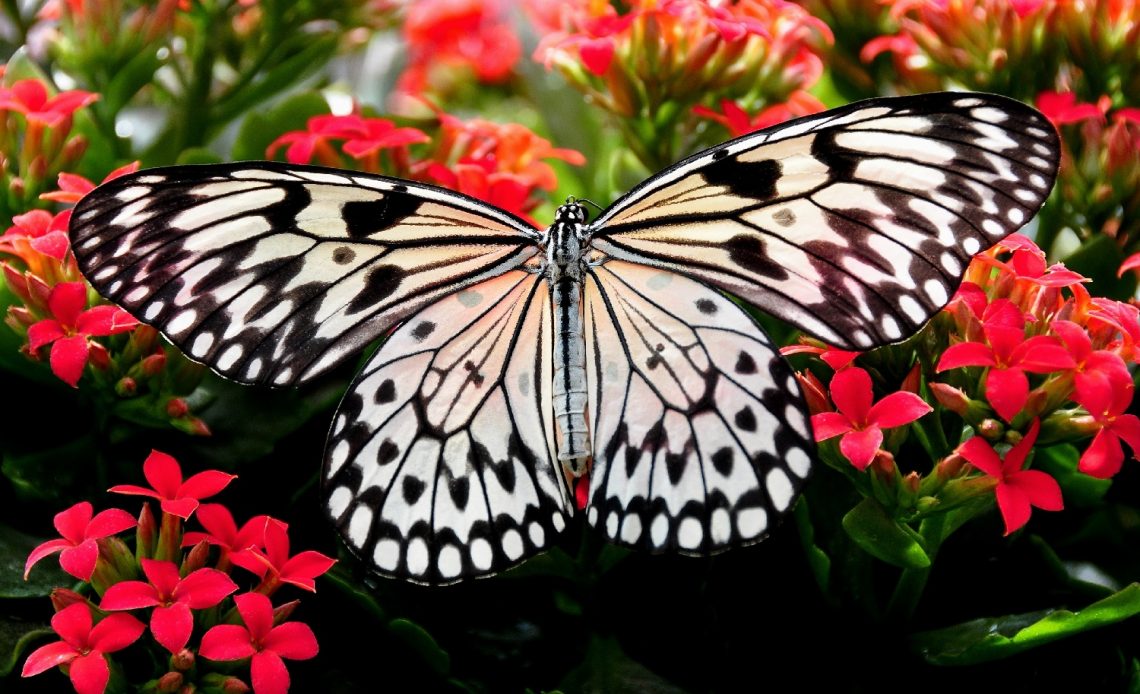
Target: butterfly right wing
(272, 273)
(441, 462)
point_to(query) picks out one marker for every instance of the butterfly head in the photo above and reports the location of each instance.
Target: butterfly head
(571, 212)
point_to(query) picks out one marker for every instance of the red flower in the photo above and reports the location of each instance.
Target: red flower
(1062, 108)
(1017, 490)
(1107, 403)
(299, 570)
(364, 136)
(30, 98)
(177, 498)
(860, 422)
(259, 640)
(1008, 355)
(69, 333)
(737, 121)
(78, 546)
(72, 188)
(172, 598)
(835, 358)
(42, 231)
(221, 530)
(83, 647)
(474, 34)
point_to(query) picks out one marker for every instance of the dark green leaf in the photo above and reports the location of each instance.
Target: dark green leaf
(608, 669)
(259, 128)
(818, 560)
(15, 547)
(1099, 258)
(1078, 489)
(881, 536)
(16, 638)
(993, 638)
(423, 643)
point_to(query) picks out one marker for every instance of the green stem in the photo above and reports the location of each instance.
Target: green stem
(912, 582)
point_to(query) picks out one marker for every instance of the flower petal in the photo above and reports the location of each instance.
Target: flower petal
(134, 490)
(204, 588)
(257, 612)
(66, 301)
(204, 484)
(69, 357)
(46, 657)
(43, 550)
(302, 568)
(171, 626)
(897, 409)
(860, 447)
(268, 673)
(965, 354)
(1039, 488)
(851, 392)
(183, 508)
(1014, 506)
(115, 632)
(129, 595)
(1007, 390)
(226, 642)
(79, 561)
(1104, 456)
(105, 320)
(292, 640)
(828, 425)
(110, 522)
(72, 523)
(90, 673)
(44, 332)
(73, 624)
(979, 453)
(219, 524)
(163, 575)
(163, 473)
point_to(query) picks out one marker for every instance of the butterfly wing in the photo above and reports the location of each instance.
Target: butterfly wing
(441, 463)
(273, 273)
(854, 225)
(700, 432)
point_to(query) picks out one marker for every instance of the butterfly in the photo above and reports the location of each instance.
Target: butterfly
(605, 364)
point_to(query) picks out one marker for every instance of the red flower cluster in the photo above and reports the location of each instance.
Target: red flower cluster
(180, 591)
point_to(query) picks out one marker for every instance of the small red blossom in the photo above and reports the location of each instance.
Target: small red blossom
(1017, 490)
(362, 137)
(222, 531)
(262, 642)
(178, 498)
(299, 570)
(30, 97)
(172, 598)
(860, 422)
(472, 34)
(80, 531)
(1062, 108)
(42, 231)
(835, 358)
(1008, 355)
(70, 331)
(1107, 404)
(73, 187)
(84, 646)
(737, 121)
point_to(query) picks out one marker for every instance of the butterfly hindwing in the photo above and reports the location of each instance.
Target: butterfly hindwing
(273, 273)
(700, 433)
(441, 463)
(856, 224)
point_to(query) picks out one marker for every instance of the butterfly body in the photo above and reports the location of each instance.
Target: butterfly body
(516, 360)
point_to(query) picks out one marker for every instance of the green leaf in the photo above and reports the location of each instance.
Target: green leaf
(423, 643)
(260, 128)
(197, 155)
(1099, 258)
(44, 473)
(16, 638)
(993, 638)
(15, 547)
(882, 537)
(818, 560)
(1078, 489)
(608, 669)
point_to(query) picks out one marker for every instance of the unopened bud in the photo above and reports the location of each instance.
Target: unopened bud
(191, 425)
(63, 597)
(17, 187)
(154, 364)
(814, 392)
(183, 660)
(950, 397)
(990, 429)
(949, 467)
(282, 612)
(74, 149)
(177, 407)
(912, 380)
(145, 339)
(233, 685)
(195, 558)
(146, 533)
(169, 683)
(37, 168)
(98, 356)
(126, 387)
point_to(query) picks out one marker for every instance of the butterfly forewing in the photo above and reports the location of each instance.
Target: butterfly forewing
(272, 273)
(700, 433)
(441, 463)
(855, 225)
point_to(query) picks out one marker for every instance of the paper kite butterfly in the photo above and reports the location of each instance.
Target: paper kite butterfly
(608, 350)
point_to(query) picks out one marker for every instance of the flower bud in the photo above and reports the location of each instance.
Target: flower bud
(913, 379)
(990, 429)
(814, 392)
(183, 660)
(63, 597)
(950, 397)
(98, 356)
(191, 425)
(146, 533)
(176, 408)
(74, 149)
(126, 387)
(17, 187)
(195, 558)
(282, 612)
(949, 467)
(154, 364)
(116, 563)
(232, 685)
(169, 683)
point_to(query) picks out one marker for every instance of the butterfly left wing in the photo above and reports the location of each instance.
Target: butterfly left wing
(854, 225)
(273, 273)
(440, 464)
(700, 432)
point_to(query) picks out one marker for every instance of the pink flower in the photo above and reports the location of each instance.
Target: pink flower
(737, 121)
(78, 546)
(299, 570)
(44, 232)
(1017, 490)
(859, 422)
(70, 331)
(1107, 402)
(1008, 355)
(84, 647)
(72, 187)
(222, 531)
(172, 598)
(1062, 108)
(30, 98)
(262, 642)
(177, 498)
(364, 136)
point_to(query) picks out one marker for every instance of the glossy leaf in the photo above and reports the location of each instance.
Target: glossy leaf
(882, 537)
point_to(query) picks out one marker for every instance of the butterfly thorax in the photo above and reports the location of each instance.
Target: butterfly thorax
(565, 241)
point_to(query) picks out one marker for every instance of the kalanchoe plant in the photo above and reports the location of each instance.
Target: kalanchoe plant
(185, 602)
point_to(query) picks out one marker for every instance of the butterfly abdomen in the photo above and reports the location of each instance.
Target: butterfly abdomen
(564, 257)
